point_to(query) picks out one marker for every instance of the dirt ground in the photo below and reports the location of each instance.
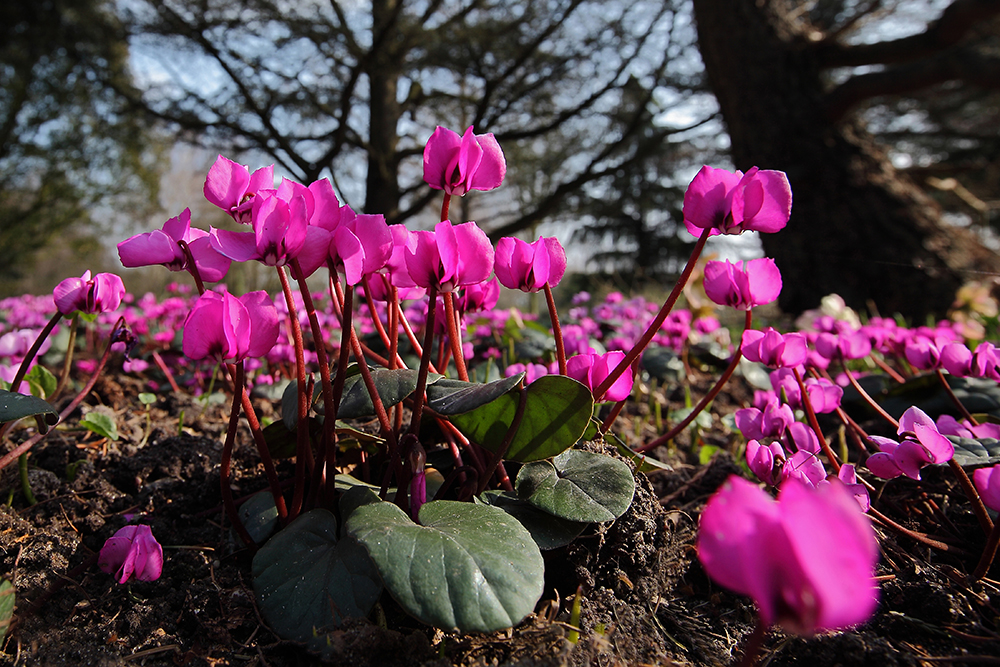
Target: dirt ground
(646, 600)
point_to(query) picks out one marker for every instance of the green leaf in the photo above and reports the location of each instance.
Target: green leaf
(41, 381)
(290, 401)
(259, 515)
(452, 397)
(7, 595)
(556, 415)
(663, 364)
(101, 424)
(14, 406)
(642, 463)
(467, 567)
(147, 398)
(549, 532)
(281, 442)
(392, 387)
(975, 451)
(308, 583)
(577, 485)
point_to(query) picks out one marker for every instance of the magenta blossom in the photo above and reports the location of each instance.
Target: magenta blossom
(132, 551)
(231, 187)
(848, 476)
(922, 445)
(451, 256)
(774, 349)
(362, 245)
(742, 285)
(162, 246)
(960, 361)
(529, 266)
(480, 297)
(457, 164)
(769, 422)
(987, 481)
(280, 221)
(101, 294)
(231, 329)
(807, 560)
(948, 425)
(592, 369)
(731, 203)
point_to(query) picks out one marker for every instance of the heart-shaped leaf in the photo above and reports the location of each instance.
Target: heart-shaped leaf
(14, 406)
(259, 515)
(556, 414)
(307, 582)
(549, 532)
(975, 451)
(290, 401)
(577, 485)
(41, 381)
(452, 397)
(467, 567)
(101, 424)
(392, 386)
(642, 463)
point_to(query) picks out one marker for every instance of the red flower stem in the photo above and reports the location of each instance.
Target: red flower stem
(654, 326)
(913, 535)
(556, 329)
(814, 423)
(706, 399)
(613, 415)
(192, 267)
(880, 362)
(455, 336)
(22, 370)
(68, 360)
(425, 362)
(166, 371)
(868, 399)
(327, 448)
(376, 320)
(30, 442)
(303, 450)
(989, 553)
(954, 399)
(393, 313)
(970, 492)
(752, 648)
(227, 458)
(497, 457)
(417, 347)
(858, 434)
(265, 455)
(445, 204)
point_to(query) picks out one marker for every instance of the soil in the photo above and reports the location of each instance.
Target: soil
(645, 598)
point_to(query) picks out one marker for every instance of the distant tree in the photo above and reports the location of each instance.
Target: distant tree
(334, 85)
(67, 141)
(783, 74)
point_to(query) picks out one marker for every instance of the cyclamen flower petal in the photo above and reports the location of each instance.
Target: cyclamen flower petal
(162, 246)
(731, 203)
(807, 560)
(529, 266)
(592, 369)
(101, 294)
(449, 257)
(774, 349)
(229, 328)
(231, 187)
(742, 285)
(987, 481)
(761, 459)
(458, 164)
(132, 551)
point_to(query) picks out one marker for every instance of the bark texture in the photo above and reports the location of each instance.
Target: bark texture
(859, 227)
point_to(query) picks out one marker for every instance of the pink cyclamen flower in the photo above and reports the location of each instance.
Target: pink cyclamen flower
(451, 256)
(162, 246)
(987, 481)
(774, 349)
(280, 222)
(948, 425)
(457, 164)
(807, 560)
(848, 476)
(922, 445)
(362, 245)
(731, 203)
(769, 422)
(529, 266)
(101, 294)
(232, 187)
(592, 369)
(132, 551)
(231, 329)
(742, 285)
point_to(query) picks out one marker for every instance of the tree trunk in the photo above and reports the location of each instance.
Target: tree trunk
(382, 184)
(858, 228)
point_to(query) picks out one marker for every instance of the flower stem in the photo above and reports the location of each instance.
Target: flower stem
(752, 648)
(508, 438)
(227, 458)
(654, 326)
(455, 335)
(556, 329)
(970, 492)
(425, 362)
(303, 450)
(989, 552)
(706, 399)
(954, 399)
(868, 399)
(814, 423)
